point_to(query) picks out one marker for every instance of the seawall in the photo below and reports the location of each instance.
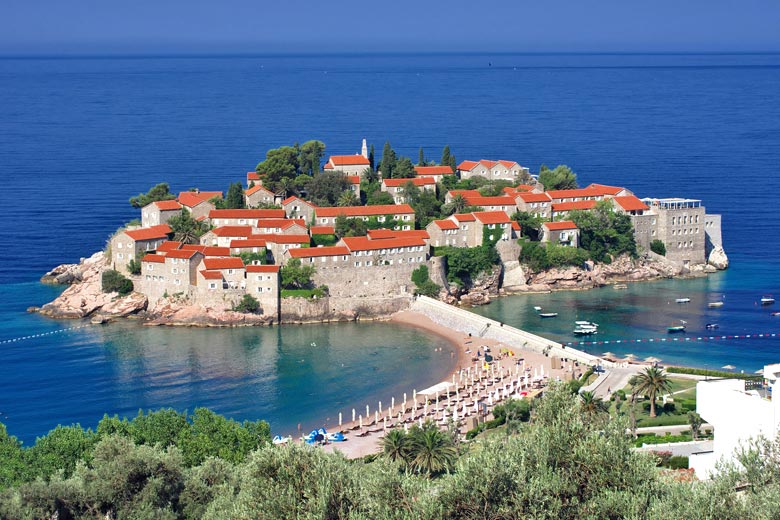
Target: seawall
(481, 327)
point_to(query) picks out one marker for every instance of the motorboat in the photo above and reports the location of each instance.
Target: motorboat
(585, 331)
(776, 313)
(548, 314)
(586, 324)
(713, 305)
(537, 308)
(711, 326)
(683, 300)
(675, 328)
(767, 300)
(620, 286)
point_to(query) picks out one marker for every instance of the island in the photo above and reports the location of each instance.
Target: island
(296, 241)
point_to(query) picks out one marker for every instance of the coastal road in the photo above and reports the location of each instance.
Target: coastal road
(613, 379)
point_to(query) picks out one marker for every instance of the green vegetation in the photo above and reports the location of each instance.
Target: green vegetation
(317, 292)
(235, 197)
(423, 283)
(447, 159)
(651, 382)
(324, 240)
(560, 465)
(661, 439)
(466, 263)
(357, 227)
(159, 192)
(604, 233)
(296, 276)
(186, 229)
(658, 247)
(248, 304)
(134, 265)
(713, 373)
(546, 256)
(326, 188)
(529, 224)
(249, 258)
(560, 178)
(114, 281)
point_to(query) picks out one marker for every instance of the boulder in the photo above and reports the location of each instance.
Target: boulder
(718, 258)
(125, 305)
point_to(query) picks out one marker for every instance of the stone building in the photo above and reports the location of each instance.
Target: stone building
(295, 207)
(535, 204)
(436, 173)
(564, 233)
(131, 244)
(159, 212)
(562, 209)
(262, 282)
(196, 203)
(396, 187)
(242, 217)
(403, 213)
(493, 170)
(257, 195)
(173, 273)
(223, 236)
(680, 225)
(349, 164)
(444, 233)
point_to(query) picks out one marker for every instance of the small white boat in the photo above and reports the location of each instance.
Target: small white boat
(767, 300)
(713, 305)
(586, 324)
(682, 300)
(711, 326)
(548, 314)
(537, 308)
(620, 286)
(585, 331)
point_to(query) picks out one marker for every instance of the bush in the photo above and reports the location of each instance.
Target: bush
(546, 256)
(134, 266)
(465, 263)
(248, 304)
(114, 281)
(324, 240)
(423, 283)
(712, 373)
(678, 462)
(658, 247)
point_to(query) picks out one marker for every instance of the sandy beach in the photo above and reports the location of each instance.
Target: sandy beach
(465, 349)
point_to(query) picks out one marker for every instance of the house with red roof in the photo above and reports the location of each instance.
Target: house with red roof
(248, 245)
(470, 229)
(503, 203)
(280, 226)
(349, 164)
(242, 217)
(562, 209)
(397, 187)
(232, 269)
(295, 207)
(563, 233)
(436, 173)
(630, 205)
(382, 234)
(172, 273)
(130, 243)
(403, 213)
(444, 233)
(262, 282)
(197, 202)
(253, 178)
(257, 196)
(493, 170)
(609, 191)
(536, 204)
(159, 212)
(224, 235)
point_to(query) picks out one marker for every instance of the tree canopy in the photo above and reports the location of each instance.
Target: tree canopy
(560, 178)
(186, 229)
(296, 276)
(326, 188)
(235, 196)
(605, 233)
(279, 162)
(159, 192)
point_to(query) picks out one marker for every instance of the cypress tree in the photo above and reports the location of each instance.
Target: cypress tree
(388, 161)
(421, 160)
(371, 157)
(445, 156)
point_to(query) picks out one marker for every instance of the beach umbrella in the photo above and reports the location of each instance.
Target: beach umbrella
(385, 425)
(367, 412)
(652, 359)
(380, 406)
(376, 417)
(353, 415)
(608, 354)
(414, 395)
(339, 419)
(729, 367)
(361, 422)
(629, 356)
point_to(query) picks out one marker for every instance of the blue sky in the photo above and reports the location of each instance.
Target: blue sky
(260, 26)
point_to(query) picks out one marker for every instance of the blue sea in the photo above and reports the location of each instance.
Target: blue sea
(79, 136)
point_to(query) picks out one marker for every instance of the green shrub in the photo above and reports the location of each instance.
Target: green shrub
(324, 240)
(423, 283)
(465, 263)
(134, 266)
(114, 281)
(712, 373)
(248, 304)
(678, 462)
(658, 247)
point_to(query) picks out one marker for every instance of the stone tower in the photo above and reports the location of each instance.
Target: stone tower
(364, 150)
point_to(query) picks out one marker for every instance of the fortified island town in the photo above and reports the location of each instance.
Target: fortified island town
(361, 242)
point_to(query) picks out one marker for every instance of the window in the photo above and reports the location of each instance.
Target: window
(177, 282)
(357, 264)
(119, 245)
(230, 271)
(406, 217)
(151, 267)
(120, 256)
(369, 263)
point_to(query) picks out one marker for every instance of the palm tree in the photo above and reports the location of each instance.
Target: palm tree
(348, 198)
(432, 451)
(457, 205)
(593, 406)
(396, 446)
(651, 382)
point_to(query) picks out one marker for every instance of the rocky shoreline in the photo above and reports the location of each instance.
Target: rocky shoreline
(84, 298)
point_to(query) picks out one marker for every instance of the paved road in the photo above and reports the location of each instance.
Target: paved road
(613, 379)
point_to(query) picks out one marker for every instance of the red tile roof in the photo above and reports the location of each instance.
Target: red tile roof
(508, 164)
(573, 194)
(263, 268)
(348, 160)
(168, 245)
(492, 217)
(365, 211)
(157, 259)
(246, 243)
(605, 189)
(232, 231)
(464, 217)
(417, 181)
(182, 253)
(579, 204)
(465, 193)
(433, 170)
(211, 275)
(501, 200)
(559, 226)
(191, 199)
(353, 179)
(257, 187)
(285, 239)
(533, 197)
(383, 234)
(364, 244)
(322, 230)
(310, 252)
(207, 250)
(231, 262)
(150, 233)
(293, 198)
(445, 224)
(467, 165)
(252, 176)
(631, 203)
(470, 165)
(167, 205)
(516, 225)
(281, 223)
(246, 213)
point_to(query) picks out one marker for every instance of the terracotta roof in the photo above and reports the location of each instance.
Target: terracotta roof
(470, 165)
(150, 233)
(157, 259)
(365, 211)
(417, 181)
(285, 239)
(293, 198)
(167, 205)
(168, 245)
(579, 204)
(182, 253)
(513, 191)
(578, 193)
(231, 262)
(605, 189)
(348, 160)
(631, 203)
(207, 250)
(558, 226)
(252, 176)
(433, 170)
(322, 230)
(364, 244)
(508, 164)
(248, 242)
(190, 199)
(464, 217)
(516, 225)
(445, 224)
(467, 165)
(492, 217)
(257, 187)
(232, 231)
(533, 197)
(263, 268)
(309, 252)
(246, 213)
(465, 193)
(353, 179)
(211, 275)
(501, 200)
(383, 234)
(282, 223)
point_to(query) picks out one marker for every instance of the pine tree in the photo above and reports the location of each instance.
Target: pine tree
(445, 156)
(235, 196)
(421, 159)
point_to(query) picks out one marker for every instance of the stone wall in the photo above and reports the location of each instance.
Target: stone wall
(375, 281)
(302, 310)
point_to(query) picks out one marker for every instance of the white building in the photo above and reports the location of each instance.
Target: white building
(739, 411)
